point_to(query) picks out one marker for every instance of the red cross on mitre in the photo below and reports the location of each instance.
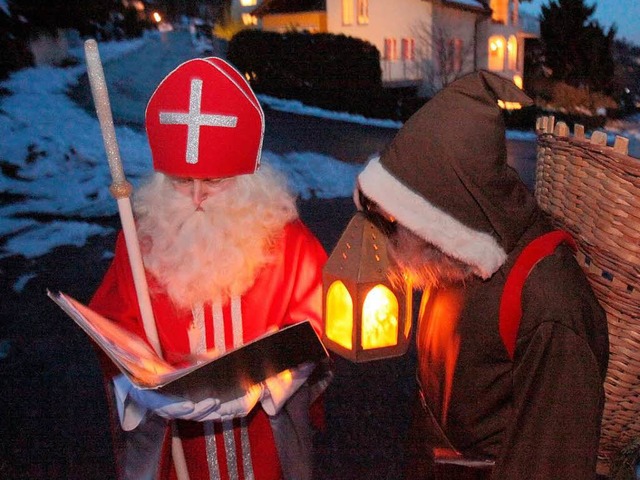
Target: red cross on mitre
(204, 121)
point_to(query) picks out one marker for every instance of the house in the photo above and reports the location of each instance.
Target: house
(503, 38)
(427, 42)
(479, 34)
(453, 45)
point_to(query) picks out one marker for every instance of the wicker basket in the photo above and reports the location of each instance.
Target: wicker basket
(593, 191)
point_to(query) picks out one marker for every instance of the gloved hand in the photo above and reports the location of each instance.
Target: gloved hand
(279, 388)
(173, 407)
(134, 403)
(238, 407)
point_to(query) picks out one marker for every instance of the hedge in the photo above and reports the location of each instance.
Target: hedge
(330, 71)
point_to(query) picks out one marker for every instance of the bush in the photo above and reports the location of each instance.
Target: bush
(329, 71)
(572, 104)
(132, 26)
(578, 101)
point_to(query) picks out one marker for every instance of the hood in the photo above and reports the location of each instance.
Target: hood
(445, 174)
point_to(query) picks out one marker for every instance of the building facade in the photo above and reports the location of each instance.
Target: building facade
(427, 42)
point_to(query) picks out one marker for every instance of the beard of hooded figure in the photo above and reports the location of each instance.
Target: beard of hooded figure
(421, 263)
(212, 252)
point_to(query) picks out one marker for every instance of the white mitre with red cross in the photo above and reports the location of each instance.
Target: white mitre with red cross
(204, 121)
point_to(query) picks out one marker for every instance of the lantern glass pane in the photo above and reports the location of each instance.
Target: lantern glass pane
(339, 315)
(379, 318)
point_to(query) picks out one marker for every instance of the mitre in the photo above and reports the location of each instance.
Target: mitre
(204, 121)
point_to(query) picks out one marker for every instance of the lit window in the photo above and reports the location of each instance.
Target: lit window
(390, 52)
(339, 315)
(347, 12)
(408, 49)
(496, 53)
(517, 79)
(499, 10)
(509, 105)
(379, 318)
(363, 12)
(512, 53)
(248, 3)
(248, 19)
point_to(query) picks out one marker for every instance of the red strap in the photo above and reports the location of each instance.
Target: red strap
(510, 303)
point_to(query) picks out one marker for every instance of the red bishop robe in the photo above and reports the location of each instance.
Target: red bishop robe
(287, 291)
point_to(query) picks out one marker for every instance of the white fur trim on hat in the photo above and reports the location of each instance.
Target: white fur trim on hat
(436, 226)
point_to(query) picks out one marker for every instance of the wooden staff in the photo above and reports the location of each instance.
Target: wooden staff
(121, 190)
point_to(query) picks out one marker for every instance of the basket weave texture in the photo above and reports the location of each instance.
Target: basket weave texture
(593, 191)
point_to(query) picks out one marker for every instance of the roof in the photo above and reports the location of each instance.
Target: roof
(270, 7)
(480, 6)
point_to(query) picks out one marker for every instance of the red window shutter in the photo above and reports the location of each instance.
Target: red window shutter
(390, 49)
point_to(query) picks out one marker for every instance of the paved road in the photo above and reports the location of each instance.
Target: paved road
(53, 410)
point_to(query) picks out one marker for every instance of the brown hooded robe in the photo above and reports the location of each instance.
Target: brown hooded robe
(445, 177)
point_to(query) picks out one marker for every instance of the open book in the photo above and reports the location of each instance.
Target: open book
(225, 377)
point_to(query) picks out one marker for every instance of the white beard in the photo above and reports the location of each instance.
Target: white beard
(423, 264)
(214, 253)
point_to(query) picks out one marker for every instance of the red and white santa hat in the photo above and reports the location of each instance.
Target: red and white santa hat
(204, 121)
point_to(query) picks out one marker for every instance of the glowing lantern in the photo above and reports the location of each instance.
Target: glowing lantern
(365, 319)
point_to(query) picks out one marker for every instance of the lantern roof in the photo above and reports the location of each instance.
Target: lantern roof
(360, 254)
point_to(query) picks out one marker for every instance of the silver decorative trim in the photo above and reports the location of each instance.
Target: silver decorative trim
(218, 328)
(236, 321)
(194, 119)
(197, 333)
(212, 451)
(246, 450)
(230, 449)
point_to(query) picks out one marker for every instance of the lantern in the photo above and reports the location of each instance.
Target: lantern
(365, 319)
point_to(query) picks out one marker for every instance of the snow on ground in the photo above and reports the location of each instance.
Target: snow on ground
(54, 167)
(294, 106)
(54, 170)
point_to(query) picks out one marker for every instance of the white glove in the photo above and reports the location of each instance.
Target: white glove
(279, 388)
(134, 403)
(238, 407)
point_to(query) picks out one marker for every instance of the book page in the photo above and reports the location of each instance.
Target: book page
(132, 355)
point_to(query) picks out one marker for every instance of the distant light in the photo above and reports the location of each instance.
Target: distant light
(517, 79)
(157, 17)
(509, 105)
(248, 19)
